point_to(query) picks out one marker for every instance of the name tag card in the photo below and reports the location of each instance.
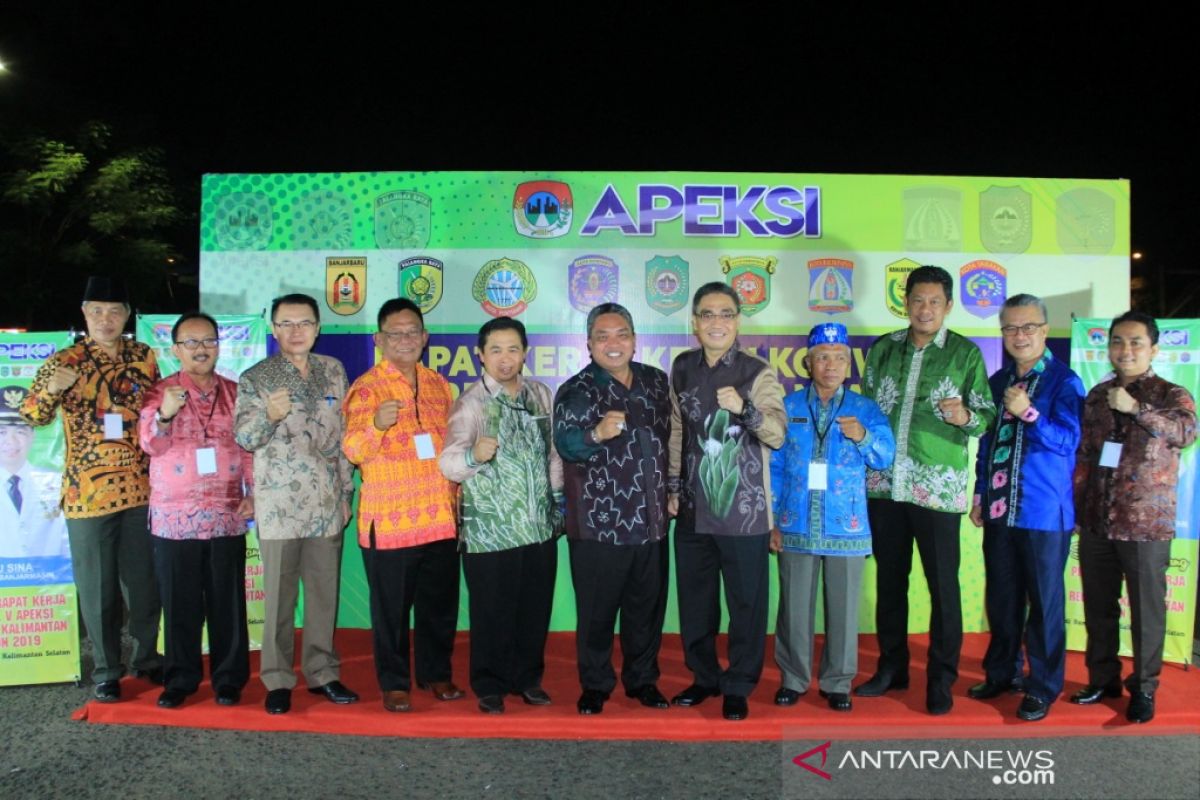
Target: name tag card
(1110, 456)
(424, 444)
(206, 461)
(114, 427)
(818, 477)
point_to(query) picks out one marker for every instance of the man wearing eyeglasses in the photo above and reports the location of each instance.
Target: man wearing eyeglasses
(289, 415)
(199, 504)
(396, 417)
(726, 417)
(100, 384)
(1024, 503)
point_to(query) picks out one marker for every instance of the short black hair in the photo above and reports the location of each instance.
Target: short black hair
(930, 274)
(716, 287)
(188, 317)
(395, 306)
(608, 308)
(295, 299)
(502, 324)
(1137, 316)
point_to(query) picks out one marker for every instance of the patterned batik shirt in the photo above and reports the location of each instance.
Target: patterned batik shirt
(616, 489)
(512, 500)
(907, 383)
(302, 483)
(1136, 501)
(102, 476)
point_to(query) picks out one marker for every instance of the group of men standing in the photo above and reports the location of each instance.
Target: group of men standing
(824, 479)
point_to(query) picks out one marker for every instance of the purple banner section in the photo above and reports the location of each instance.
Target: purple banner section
(553, 358)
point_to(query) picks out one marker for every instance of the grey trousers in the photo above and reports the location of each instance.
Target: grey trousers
(794, 628)
(112, 559)
(286, 563)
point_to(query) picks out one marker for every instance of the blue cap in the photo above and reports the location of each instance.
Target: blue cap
(828, 333)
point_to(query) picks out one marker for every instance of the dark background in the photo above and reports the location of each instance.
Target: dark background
(919, 90)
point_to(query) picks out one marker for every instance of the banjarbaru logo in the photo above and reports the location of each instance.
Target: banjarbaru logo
(710, 210)
(1010, 767)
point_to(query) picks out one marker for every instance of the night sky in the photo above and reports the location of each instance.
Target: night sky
(624, 88)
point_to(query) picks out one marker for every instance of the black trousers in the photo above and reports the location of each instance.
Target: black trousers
(510, 594)
(199, 581)
(702, 562)
(632, 580)
(894, 528)
(1143, 566)
(422, 580)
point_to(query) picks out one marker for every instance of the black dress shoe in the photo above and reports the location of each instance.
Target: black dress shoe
(1141, 707)
(938, 700)
(1033, 708)
(107, 691)
(279, 701)
(535, 696)
(491, 704)
(988, 690)
(335, 692)
(735, 707)
(649, 696)
(694, 695)
(787, 697)
(172, 698)
(591, 701)
(882, 682)
(228, 695)
(154, 675)
(838, 701)
(1092, 694)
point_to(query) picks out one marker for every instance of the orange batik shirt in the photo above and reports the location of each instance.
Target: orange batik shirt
(404, 496)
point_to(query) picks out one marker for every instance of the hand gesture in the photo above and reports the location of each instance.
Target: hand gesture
(173, 399)
(953, 411)
(245, 508)
(976, 516)
(610, 426)
(1016, 401)
(672, 505)
(776, 542)
(729, 399)
(484, 449)
(852, 429)
(62, 378)
(387, 414)
(279, 405)
(1121, 400)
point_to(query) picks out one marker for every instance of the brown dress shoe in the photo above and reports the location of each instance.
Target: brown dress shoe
(443, 690)
(396, 700)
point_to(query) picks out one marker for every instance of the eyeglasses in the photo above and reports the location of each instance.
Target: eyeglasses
(400, 336)
(300, 325)
(709, 316)
(1029, 330)
(192, 344)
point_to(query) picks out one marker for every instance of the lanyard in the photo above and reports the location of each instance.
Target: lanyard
(112, 395)
(211, 409)
(821, 434)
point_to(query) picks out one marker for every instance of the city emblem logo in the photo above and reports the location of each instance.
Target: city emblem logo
(830, 285)
(323, 220)
(421, 281)
(592, 280)
(504, 287)
(345, 284)
(750, 277)
(933, 219)
(1097, 337)
(895, 283)
(1005, 219)
(243, 221)
(402, 220)
(666, 284)
(983, 287)
(542, 209)
(1086, 222)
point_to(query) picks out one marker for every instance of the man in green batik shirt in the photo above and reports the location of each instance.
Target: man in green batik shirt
(931, 383)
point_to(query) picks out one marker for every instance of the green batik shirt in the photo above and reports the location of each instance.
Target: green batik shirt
(907, 382)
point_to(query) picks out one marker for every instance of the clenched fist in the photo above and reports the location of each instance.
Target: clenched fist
(279, 405)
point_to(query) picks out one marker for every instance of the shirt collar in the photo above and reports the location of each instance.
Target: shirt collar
(726, 358)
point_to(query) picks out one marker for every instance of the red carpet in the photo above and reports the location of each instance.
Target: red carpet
(898, 715)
